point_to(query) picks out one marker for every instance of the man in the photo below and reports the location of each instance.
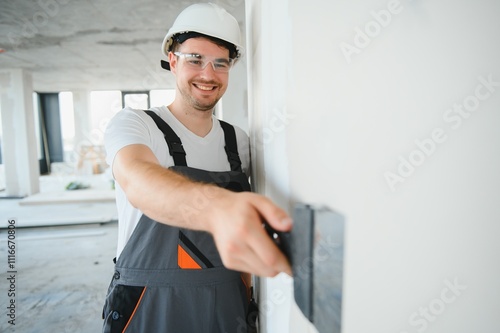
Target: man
(187, 221)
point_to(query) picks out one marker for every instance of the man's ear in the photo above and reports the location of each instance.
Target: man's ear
(172, 59)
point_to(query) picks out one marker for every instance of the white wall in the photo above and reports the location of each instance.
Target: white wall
(422, 251)
(268, 31)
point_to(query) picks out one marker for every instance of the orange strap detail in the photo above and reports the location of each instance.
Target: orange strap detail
(135, 309)
(184, 260)
(247, 281)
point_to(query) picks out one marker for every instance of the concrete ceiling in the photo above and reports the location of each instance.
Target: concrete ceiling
(91, 44)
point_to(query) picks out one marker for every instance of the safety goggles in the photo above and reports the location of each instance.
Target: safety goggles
(199, 62)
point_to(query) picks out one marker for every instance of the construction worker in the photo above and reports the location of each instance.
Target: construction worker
(188, 223)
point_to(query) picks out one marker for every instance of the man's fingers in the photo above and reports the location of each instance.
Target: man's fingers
(256, 253)
(268, 252)
(250, 262)
(263, 245)
(273, 215)
(243, 243)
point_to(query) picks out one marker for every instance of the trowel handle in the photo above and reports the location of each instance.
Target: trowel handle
(280, 238)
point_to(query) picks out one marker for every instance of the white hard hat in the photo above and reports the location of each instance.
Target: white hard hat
(207, 19)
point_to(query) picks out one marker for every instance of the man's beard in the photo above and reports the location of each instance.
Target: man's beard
(200, 104)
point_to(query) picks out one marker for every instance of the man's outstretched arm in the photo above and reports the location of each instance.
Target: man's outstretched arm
(234, 219)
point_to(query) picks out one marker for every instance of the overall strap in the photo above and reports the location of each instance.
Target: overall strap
(231, 146)
(173, 141)
(179, 154)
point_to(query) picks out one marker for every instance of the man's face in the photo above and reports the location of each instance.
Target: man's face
(200, 89)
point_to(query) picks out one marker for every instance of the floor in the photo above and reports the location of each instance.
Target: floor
(62, 277)
(54, 205)
(63, 258)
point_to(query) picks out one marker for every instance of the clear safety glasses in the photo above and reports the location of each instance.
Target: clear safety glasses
(199, 62)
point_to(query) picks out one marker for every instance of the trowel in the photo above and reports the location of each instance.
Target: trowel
(315, 249)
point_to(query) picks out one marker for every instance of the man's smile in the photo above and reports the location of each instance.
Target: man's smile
(204, 87)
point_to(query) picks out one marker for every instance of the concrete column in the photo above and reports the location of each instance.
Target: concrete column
(81, 107)
(82, 119)
(20, 157)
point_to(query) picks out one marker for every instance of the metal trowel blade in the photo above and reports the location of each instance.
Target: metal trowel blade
(315, 248)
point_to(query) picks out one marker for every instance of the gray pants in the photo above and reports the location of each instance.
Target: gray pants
(209, 300)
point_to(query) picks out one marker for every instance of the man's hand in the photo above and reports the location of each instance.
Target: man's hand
(235, 221)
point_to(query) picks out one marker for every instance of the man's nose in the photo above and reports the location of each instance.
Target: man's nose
(209, 66)
(208, 70)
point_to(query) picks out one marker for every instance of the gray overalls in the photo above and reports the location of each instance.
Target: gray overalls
(172, 280)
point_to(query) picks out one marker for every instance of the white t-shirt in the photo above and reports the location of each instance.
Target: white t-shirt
(131, 126)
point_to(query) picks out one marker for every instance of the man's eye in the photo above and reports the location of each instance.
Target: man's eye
(195, 62)
(221, 64)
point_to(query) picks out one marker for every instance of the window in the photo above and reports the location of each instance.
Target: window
(103, 106)
(161, 97)
(67, 122)
(136, 100)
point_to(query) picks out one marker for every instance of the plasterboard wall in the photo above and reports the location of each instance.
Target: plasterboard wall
(389, 114)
